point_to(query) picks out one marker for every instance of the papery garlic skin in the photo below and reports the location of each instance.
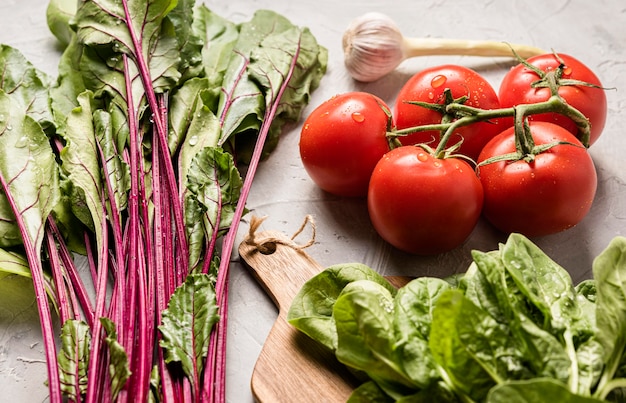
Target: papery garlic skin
(373, 47)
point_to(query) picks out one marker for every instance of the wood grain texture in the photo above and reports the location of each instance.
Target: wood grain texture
(292, 367)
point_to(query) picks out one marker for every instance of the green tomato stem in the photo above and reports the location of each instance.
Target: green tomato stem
(469, 115)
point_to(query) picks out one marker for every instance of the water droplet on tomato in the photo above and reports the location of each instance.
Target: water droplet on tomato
(567, 71)
(431, 95)
(438, 81)
(358, 117)
(422, 156)
(437, 164)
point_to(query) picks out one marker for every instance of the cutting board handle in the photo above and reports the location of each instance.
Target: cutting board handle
(278, 262)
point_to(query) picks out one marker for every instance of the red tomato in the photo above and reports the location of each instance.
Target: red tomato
(516, 88)
(548, 195)
(428, 86)
(422, 204)
(342, 140)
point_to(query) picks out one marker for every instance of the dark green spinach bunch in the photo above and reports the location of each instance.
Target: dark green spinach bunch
(512, 328)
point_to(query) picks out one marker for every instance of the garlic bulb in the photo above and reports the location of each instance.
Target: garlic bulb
(374, 46)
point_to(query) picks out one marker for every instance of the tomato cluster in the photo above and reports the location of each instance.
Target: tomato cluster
(454, 149)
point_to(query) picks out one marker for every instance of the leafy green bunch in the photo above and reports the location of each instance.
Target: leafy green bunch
(136, 162)
(512, 328)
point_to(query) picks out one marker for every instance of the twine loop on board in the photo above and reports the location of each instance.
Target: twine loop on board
(267, 245)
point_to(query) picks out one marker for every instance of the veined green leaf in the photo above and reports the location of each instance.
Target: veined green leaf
(197, 125)
(219, 37)
(102, 27)
(119, 368)
(81, 162)
(187, 322)
(28, 165)
(185, 106)
(74, 358)
(13, 263)
(269, 65)
(26, 85)
(116, 168)
(214, 186)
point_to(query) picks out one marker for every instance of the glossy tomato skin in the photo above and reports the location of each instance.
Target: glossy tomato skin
(342, 140)
(428, 86)
(516, 89)
(421, 204)
(546, 196)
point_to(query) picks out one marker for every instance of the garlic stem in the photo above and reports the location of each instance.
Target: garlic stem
(374, 46)
(413, 47)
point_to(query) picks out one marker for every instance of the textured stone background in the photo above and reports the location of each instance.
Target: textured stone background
(594, 32)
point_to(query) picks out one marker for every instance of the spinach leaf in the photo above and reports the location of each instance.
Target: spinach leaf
(470, 346)
(540, 353)
(545, 283)
(413, 311)
(364, 313)
(311, 311)
(609, 271)
(540, 390)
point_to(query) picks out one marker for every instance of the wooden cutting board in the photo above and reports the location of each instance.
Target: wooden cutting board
(292, 367)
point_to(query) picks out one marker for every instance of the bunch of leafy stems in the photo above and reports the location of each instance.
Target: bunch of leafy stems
(70, 296)
(456, 114)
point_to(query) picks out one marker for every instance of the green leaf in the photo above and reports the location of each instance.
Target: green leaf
(26, 86)
(269, 43)
(609, 272)
(311, 309)
(413, 309)
(117, 168)
(545, 283)
(187, 322)
(13, 263)
(58, 16)
(590, 365)
(68, 86)
(369, 392)
(81, 163)
(103, 29)
(192, 120)
(189, 43)
(470, 346)
(28, 165)
(270, 63)
(364, 319)
(74, 358)
(119, 367)
(202, 131)
(540, 390)
(542, 351)
(219, 36)
(214, 186)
